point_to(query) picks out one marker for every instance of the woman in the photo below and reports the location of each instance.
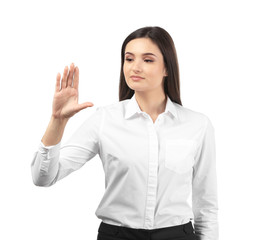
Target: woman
(153, 150)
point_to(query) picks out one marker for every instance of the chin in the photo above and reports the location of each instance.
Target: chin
(136, 86)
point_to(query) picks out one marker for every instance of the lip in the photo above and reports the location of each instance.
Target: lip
(136, 78)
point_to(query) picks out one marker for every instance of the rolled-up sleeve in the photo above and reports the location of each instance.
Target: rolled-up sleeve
(52, 163)
(204, 187)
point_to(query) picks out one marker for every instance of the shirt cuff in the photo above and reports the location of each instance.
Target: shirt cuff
(48, 153)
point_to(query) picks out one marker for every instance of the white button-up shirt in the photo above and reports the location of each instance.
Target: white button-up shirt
(152, 169)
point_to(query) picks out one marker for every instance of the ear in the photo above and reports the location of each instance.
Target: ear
(165, 73)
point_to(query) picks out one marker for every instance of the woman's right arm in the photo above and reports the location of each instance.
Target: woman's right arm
(54, 131)
(65, 104)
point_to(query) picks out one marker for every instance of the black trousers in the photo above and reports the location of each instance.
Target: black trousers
(178, 232)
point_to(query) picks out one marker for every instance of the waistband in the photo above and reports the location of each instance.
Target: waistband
(175, 231)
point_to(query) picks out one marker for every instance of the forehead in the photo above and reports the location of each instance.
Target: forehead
(142, 45)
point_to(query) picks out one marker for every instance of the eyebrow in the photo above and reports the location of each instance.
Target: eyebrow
(142, 54)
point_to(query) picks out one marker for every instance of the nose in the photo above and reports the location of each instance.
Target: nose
(136, 67)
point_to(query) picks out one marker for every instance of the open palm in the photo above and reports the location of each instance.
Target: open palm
(65, 101)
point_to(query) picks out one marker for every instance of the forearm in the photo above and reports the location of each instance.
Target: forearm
(204, 187)
(54, 131)
(44, 166)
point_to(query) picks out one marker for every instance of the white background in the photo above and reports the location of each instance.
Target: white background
(215, 43)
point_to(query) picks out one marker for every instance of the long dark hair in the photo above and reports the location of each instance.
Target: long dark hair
(166, 45)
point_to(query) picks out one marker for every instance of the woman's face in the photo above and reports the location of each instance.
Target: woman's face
(143, 58)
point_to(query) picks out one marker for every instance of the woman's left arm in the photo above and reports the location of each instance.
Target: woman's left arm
(204, 187)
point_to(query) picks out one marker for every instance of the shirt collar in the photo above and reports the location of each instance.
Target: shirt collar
(133, 107)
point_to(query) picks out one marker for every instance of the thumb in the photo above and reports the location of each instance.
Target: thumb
(81, 106)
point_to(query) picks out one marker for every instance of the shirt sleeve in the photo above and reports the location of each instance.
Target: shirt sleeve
(52, 163)
(204, 187)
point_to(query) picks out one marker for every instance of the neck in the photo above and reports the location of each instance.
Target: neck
(151, 103)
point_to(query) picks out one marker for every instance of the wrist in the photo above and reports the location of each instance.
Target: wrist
(59, 121)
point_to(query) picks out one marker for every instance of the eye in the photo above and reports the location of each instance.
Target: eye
(146, 60)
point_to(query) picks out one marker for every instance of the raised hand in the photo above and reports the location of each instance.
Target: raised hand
(65, 101)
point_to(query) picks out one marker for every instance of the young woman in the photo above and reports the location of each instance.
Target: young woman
(154, 151)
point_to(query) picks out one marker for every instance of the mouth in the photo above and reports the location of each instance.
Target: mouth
(136, 78)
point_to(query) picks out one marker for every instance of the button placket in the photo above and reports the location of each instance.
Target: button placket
(152, 176)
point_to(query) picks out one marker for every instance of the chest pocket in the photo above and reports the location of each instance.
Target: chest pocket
(179, 155)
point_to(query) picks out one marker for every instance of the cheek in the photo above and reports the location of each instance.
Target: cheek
(126, 72)
(155, 76)
(125, 69)
(154, 72)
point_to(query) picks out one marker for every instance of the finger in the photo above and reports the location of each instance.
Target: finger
(57, 86)
(76, 78)
(70, 75)
(64, 78)
(83, 106)
(75, 69)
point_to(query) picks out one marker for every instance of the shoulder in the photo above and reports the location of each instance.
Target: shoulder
(115, 107)
(187, 114)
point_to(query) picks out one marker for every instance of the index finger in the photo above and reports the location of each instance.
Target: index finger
(57, 85)
(76, 78)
